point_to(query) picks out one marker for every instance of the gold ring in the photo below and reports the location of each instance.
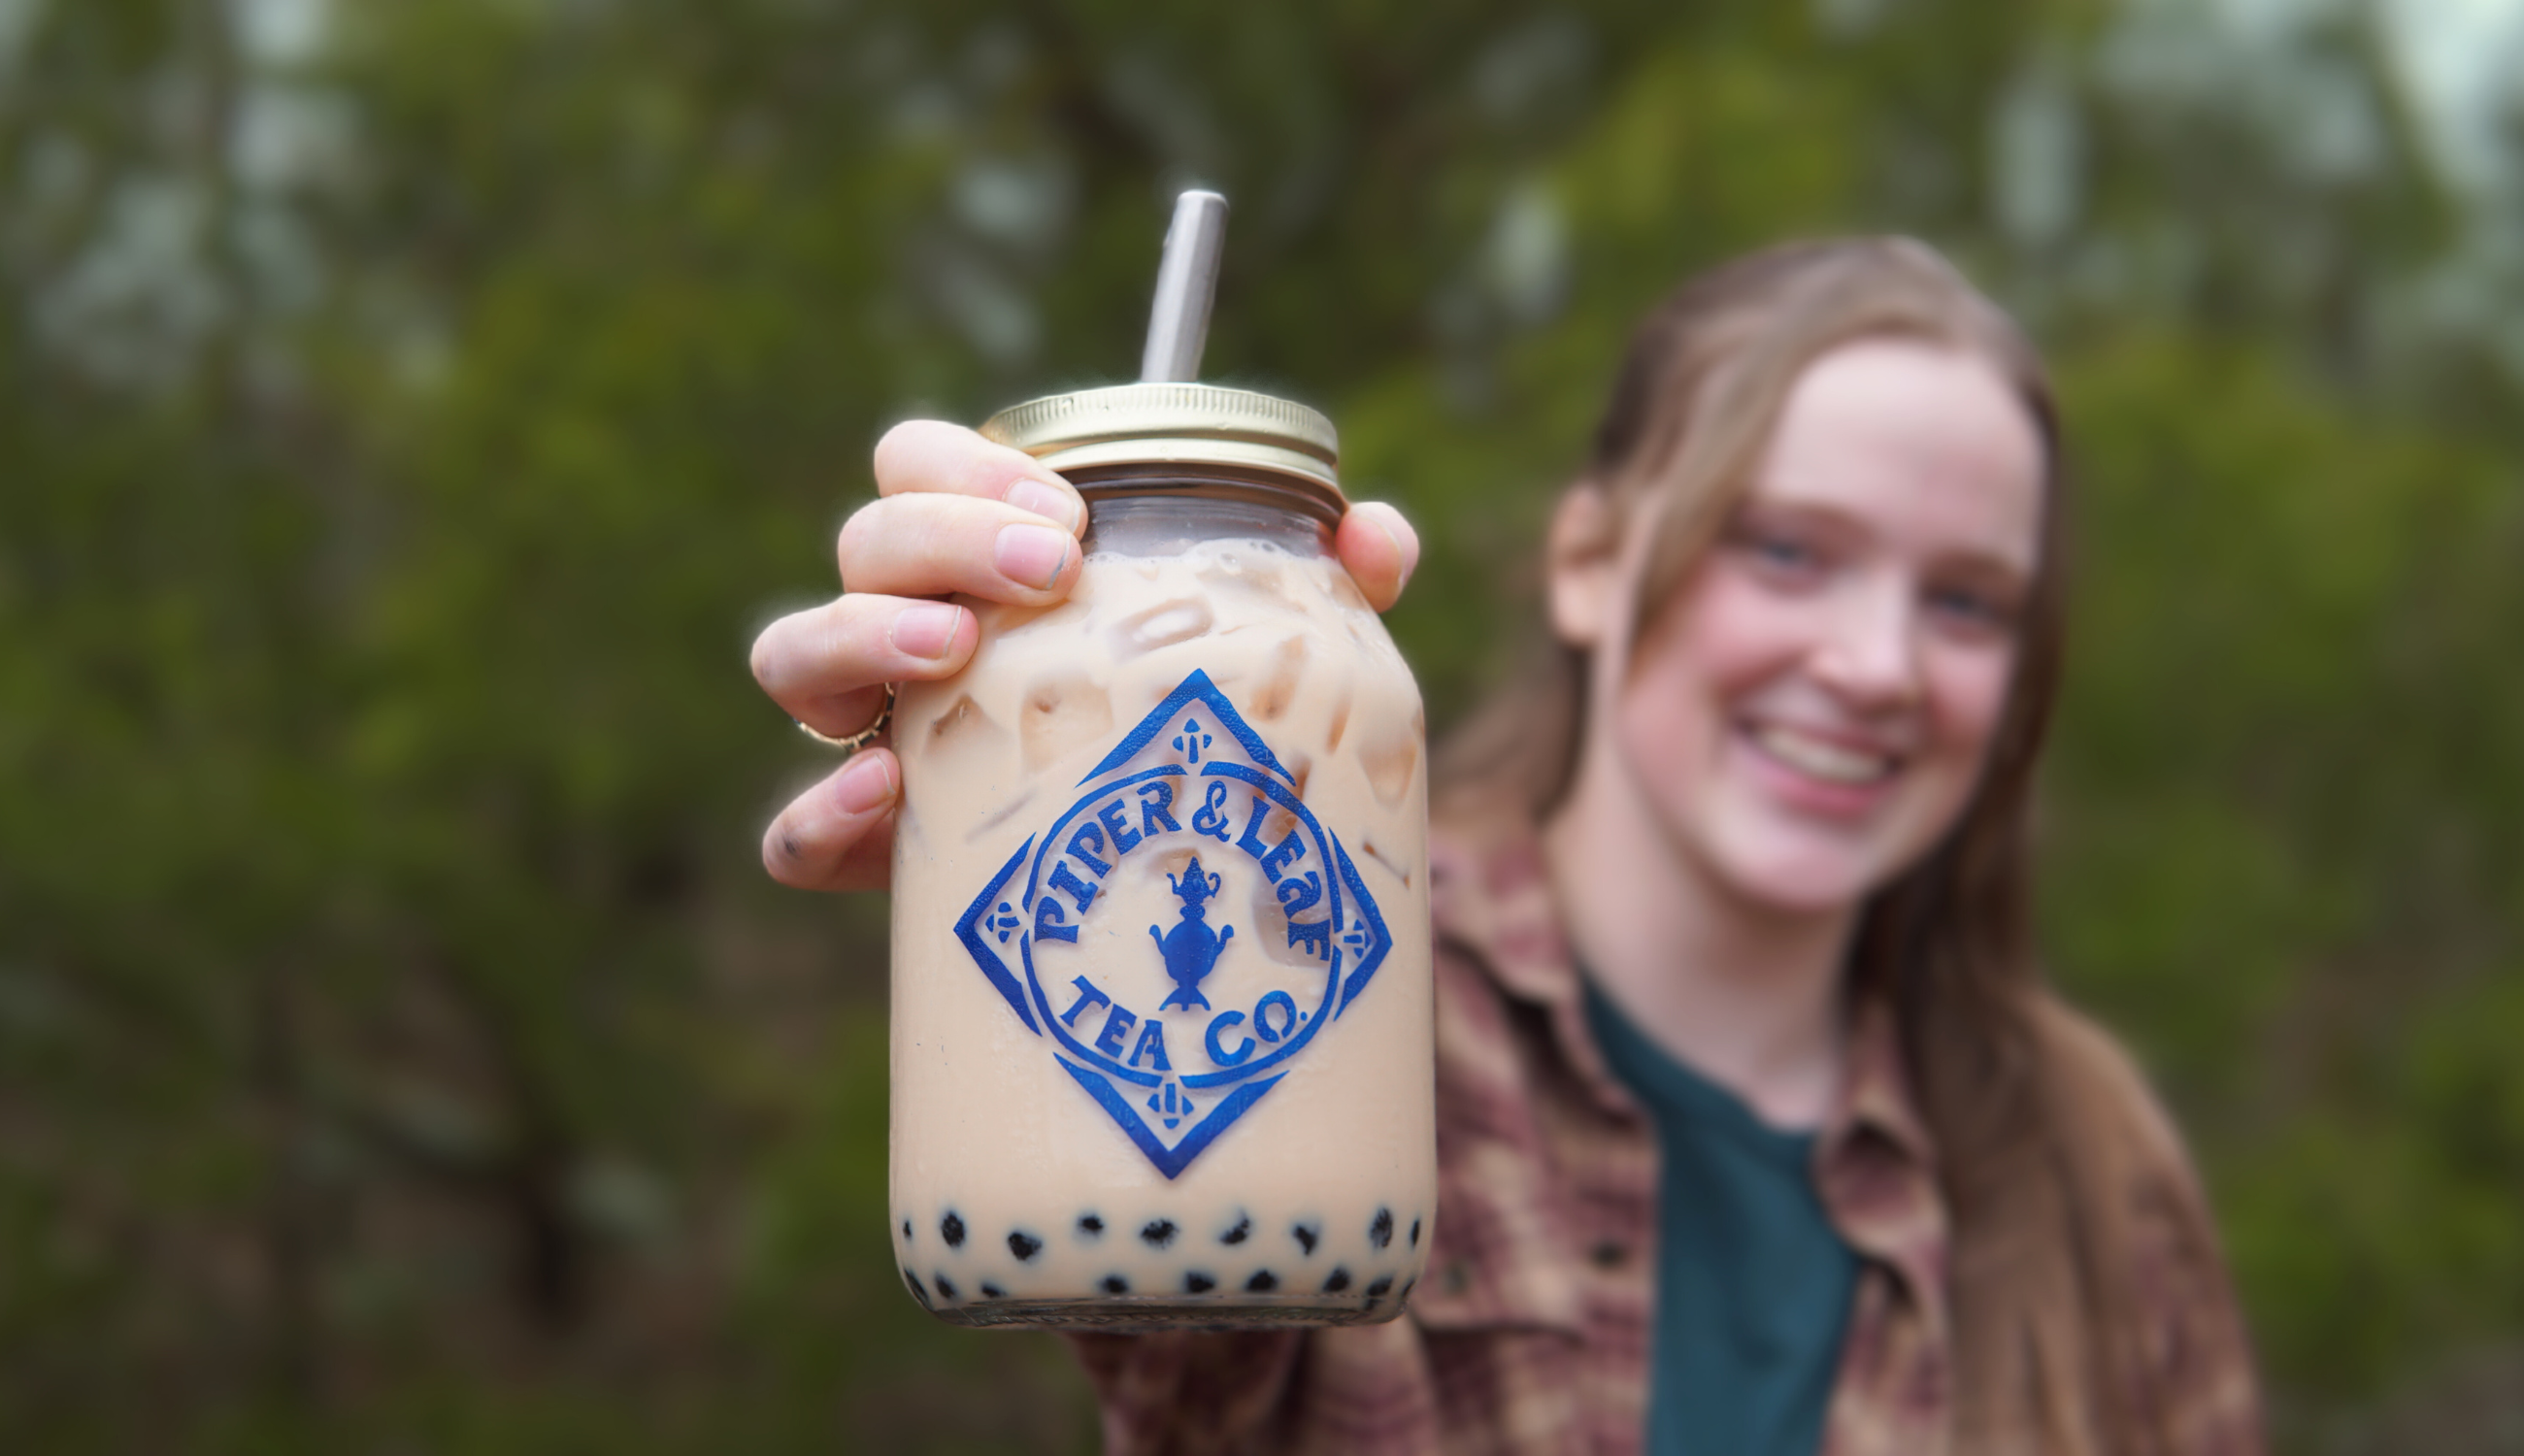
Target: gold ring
(861, 739)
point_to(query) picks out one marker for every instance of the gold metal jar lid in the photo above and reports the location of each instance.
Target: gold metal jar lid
(1188, 425)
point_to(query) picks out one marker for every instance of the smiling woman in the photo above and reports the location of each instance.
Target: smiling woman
(1757, 1130)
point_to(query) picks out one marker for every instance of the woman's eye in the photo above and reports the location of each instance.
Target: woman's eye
(1785, 554)
(1970, 608)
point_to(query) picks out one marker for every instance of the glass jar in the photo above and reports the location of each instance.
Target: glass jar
(1162, 1010)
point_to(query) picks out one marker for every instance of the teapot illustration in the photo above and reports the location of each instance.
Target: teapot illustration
(1191, 948)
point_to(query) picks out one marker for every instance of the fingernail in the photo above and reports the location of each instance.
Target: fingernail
(1404, 557)
(867, 784)
(926, 630)
(1048, 501)
(1031, 556)
(1401, 554)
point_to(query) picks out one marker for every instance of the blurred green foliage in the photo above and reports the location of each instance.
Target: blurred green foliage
(413, 407)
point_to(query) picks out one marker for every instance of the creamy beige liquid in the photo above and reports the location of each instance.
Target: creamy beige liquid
(1018, 1194)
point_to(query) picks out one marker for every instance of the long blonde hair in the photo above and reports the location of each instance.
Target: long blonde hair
(2031, 1124)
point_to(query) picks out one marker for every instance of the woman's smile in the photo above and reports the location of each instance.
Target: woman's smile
(1834, 771)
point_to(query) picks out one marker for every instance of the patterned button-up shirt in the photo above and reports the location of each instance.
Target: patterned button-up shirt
(1530, 1332)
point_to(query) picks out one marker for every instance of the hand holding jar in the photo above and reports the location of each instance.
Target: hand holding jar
(956, 515)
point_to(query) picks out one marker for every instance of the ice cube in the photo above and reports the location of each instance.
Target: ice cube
(961, 739)
(1161, 625)
(1391, 758)
(1061, 713)
(1279, 682)
(1339, 721)
(1367, 846)
(1258, 576)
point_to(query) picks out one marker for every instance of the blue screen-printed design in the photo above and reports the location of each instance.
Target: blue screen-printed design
(1130, 1016)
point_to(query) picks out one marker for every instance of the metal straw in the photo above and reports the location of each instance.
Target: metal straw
(1187, 282)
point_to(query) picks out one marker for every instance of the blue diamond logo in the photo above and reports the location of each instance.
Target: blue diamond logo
(1182, 933)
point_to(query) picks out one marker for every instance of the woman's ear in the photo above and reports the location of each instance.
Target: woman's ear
(1583, 561)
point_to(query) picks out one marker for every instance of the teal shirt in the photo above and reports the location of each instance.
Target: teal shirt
(1753, 1283)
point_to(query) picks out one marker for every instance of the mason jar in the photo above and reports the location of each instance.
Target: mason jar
(1162, 1011)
